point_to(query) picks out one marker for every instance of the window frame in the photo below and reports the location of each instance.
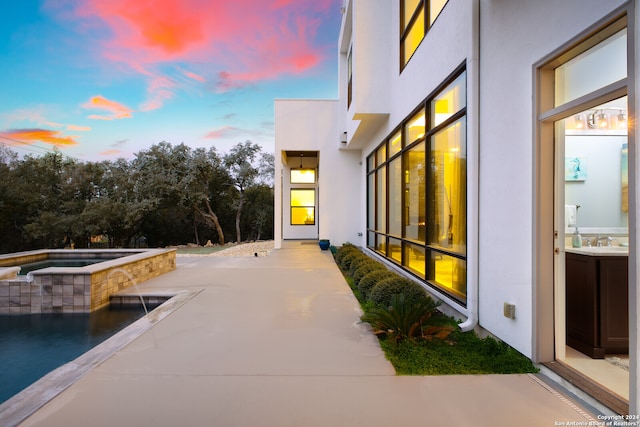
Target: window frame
(405, 26)
(292, 206)
(378, 240)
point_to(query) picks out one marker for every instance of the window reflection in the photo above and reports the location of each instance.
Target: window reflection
(395, 197)
(449, 102)
(415, 128)
(448, 208)
(414, 259)
(381, 199)
(303, 176)
(303, 202)
(414, 193)
(448, 272)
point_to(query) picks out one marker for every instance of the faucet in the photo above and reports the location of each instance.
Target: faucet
(599, 239)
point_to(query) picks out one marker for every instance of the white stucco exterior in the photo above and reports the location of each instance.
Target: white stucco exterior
(500, 44)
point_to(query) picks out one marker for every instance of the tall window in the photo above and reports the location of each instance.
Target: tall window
(303, 206)
(416, 17)
(417, 178)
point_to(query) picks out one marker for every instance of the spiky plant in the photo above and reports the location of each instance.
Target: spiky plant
(403, 319)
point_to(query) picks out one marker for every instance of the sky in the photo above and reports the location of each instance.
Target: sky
(105, 79)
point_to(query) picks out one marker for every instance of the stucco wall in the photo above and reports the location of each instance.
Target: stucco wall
(514, 36)
(313, 125)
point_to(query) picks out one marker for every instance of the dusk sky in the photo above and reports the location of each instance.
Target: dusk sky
(103, 79)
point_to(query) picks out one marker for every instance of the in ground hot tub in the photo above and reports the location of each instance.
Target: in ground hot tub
(76, 289)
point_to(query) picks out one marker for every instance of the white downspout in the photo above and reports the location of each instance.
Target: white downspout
(473, 189)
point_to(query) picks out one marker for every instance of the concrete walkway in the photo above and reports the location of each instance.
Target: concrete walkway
(276, 341)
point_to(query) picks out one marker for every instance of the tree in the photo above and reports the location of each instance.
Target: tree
(161, 178)
(239, 162)
(258, 218)
(208, 178)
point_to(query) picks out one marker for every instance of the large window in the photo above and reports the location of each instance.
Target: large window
(416, 16)
(417, 178)
(303, 206)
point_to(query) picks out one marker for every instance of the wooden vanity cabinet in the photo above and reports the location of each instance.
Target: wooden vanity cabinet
(597, 304)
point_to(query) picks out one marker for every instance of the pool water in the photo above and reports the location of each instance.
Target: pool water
(80, 262)
(33, 345)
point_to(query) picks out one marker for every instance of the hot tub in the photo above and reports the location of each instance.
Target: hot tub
(76, 289)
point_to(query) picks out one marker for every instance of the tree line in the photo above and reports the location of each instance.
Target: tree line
(166, 195)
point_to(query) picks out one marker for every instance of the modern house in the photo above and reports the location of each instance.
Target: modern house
(486, 149)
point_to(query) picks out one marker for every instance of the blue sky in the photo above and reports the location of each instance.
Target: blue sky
(105, 79)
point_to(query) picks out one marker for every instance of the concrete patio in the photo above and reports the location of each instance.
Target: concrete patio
(276, 341)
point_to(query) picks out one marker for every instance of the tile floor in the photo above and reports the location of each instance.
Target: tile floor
(613, 377)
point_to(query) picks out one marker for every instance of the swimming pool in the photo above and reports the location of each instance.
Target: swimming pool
(33, 345)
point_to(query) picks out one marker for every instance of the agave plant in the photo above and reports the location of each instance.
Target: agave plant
(402, 319)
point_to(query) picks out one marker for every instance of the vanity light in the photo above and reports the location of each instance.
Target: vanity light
(579, 121)
(603, 120)
(622, 120)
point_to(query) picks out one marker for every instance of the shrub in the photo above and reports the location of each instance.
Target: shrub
(369, 280)
(365, 268)
(402, 319)
(358, 262)
(345, 264)
(382, 292)
(345, 250)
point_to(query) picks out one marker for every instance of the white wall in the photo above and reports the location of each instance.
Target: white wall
(313, 125)
(449, 43)
(514, 36)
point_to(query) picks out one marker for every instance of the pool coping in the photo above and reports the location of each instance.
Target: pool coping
(22, 405)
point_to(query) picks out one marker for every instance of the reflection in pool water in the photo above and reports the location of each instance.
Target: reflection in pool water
(33, 345)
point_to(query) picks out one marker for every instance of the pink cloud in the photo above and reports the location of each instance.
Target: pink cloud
(111, 152)
(35, 115)
(194, 76)
(247, 40)
(31, 136)
(78, 128)
(223, 132)
(116, 109)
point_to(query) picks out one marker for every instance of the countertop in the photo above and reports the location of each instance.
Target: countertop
(599, 250)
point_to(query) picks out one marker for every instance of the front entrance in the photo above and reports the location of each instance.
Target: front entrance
(300, 195)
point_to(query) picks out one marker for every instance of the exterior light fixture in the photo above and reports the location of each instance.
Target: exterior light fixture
(344, 138)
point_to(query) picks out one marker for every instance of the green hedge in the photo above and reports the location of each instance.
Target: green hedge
(369, 280)
(345, 264)
(382, 292)
(366, 268)
(344, 250)
(359, 262)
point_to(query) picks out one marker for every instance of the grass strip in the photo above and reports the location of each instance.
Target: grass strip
(446, 350)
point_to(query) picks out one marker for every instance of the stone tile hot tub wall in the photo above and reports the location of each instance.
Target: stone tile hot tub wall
(76, 289)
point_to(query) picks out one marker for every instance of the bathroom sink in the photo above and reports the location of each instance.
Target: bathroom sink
(600, 250)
